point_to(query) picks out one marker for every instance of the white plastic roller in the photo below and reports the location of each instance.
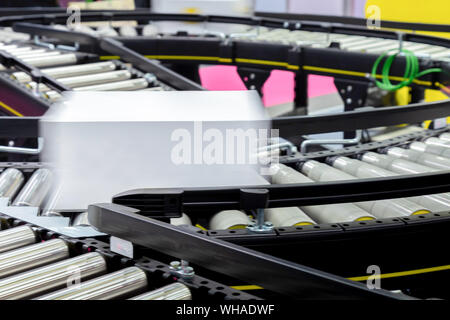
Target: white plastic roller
(438, 202)
(106, 31)
(149, 30)
(128, 31)
(287, 217)
(229, 219)
(422, 147)
(445, 136)
(433, 141)
(429, 160)
(380, 209)
(183, 220)
(393, 164)
(328, 213)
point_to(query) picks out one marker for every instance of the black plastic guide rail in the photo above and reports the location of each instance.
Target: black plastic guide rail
(172, 202)
(356, 21)
(351, 120)
(278, 275)
(162, 73)
(361, 119)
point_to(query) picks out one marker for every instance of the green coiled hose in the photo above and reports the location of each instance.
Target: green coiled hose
(411, 70)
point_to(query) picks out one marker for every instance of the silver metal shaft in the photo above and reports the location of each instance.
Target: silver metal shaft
(92, 79)
(88, 80)
(69, 71)
(52, 60)
(110, 286)
(37, 54)
(35, 255)
(174, 291)
(16, 237)
(126, 85)
(35, 190)
(52, 277)
(10, 181)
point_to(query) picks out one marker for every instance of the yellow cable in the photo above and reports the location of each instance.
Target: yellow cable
(201, 227)
(363, 278)
(277, 64)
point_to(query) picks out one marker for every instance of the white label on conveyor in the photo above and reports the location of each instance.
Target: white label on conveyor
(121, 246)
(440, 123)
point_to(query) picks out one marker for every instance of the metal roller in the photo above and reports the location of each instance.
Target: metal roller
(52, 60)
(430, 50)
(91, 79)
(441, 55)
(360, 169)
(133, 84)
(229, 219)
(10, 181)
(174, 291)
(32, 256)
(69, 71)
(6, 47)
(329, 213)
(350, 45)
(183, 220)
(23, 50)
(153, 89)
(393, 164)
(52, 277)
(422, 147)
(429, 160)
(88, 80)
(382, 45)
(380, 209)
(16, 237)
(114, 285)
(35, 190)
(37, 54)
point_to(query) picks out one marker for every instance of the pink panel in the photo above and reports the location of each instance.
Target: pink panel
(279, 87)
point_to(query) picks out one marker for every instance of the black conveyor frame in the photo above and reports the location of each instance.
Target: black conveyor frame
(293, 280)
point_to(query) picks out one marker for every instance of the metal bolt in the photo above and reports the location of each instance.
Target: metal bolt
(348, 101)
(260, 226)
(175, 265)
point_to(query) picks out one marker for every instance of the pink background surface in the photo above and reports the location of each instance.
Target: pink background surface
(278, 89)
